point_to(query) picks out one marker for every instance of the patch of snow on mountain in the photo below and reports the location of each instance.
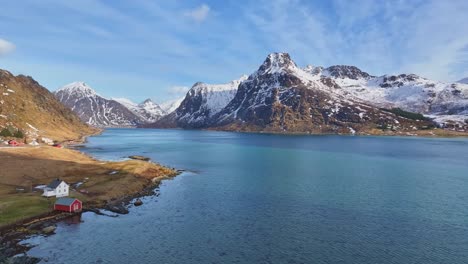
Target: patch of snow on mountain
(78, 89)
(407, 91)
(170, 106)
(217, 96)
(147, 110)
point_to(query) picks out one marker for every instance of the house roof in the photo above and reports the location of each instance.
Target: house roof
(54, 184)
(65, 201)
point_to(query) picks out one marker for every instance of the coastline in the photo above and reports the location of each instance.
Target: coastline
(440, 133)
(103, 190)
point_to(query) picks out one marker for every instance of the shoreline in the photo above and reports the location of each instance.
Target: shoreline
(444, 133)
(143, 176)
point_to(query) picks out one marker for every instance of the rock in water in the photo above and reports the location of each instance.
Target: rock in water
(49, 229)
(138, 202)
(137, 157)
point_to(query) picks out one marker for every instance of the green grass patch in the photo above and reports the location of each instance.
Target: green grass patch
(14, 208)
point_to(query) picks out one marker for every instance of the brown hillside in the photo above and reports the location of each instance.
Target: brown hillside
(26, 105)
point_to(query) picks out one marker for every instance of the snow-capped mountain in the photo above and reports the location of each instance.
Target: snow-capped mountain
(407, 91)
(464, 80)
(282, 97)
(201, 103)
(444, 102)
(95, 109)
(148, 111)
(170, 106)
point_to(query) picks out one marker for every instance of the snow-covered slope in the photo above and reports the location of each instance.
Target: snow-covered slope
(147, 110)
(406, 91)
(464, 80)
(170, 106)
(95, 109)
(282, 97)
(201, 103)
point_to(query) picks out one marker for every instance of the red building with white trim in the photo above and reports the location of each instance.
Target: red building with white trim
(66, 204)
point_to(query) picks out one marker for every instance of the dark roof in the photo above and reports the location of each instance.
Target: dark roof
(54, 183)
(65, 201)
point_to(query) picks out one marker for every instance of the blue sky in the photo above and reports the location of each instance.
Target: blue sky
(158, 49)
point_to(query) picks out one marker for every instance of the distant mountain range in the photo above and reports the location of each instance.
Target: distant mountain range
(31, 108)
(464, 80)
(102, 112)
(282, 97)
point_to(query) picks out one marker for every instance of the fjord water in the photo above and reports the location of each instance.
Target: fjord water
(257, 198)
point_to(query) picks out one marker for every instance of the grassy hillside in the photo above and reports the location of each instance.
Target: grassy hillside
(27, 106)
(23, 168)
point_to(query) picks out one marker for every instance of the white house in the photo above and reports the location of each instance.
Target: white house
(56, 188)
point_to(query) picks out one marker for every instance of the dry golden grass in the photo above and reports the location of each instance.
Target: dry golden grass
(32, 104)
(30, 166)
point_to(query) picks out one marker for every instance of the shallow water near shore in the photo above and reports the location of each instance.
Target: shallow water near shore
(259, 198)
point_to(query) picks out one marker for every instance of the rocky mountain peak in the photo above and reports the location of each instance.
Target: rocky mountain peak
(347, 72)
(277, 63)
(399, 80)
(314, 70)
(78, 87)
(147, 102)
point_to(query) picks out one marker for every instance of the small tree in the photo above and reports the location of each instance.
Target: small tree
(6, 133)
(19, 134)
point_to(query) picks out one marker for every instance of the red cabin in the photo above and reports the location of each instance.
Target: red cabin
(13, 143)
(67, 204)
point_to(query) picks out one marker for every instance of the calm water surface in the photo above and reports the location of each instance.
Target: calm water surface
(253, 198)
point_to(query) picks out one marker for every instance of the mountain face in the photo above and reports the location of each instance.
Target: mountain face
(281, 97)
(26, 105)
(201, 103)
(170, 106)
(407, 91)
(148, 111)
(441, 101)
(464, 80)
(94, 109)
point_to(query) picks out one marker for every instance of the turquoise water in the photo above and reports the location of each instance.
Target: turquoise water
(256, 198)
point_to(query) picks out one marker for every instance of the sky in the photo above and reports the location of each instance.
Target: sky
(158, 49)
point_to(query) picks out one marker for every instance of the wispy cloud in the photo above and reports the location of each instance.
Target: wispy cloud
(148, 44)
(177, 90)
(198, 14)
(6, 47)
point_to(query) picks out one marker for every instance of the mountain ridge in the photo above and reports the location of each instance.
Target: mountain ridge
(336, 95)
(99, 111)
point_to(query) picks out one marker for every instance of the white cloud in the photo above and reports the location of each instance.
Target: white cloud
(177, 90)
(198, 14)
(6, 47)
